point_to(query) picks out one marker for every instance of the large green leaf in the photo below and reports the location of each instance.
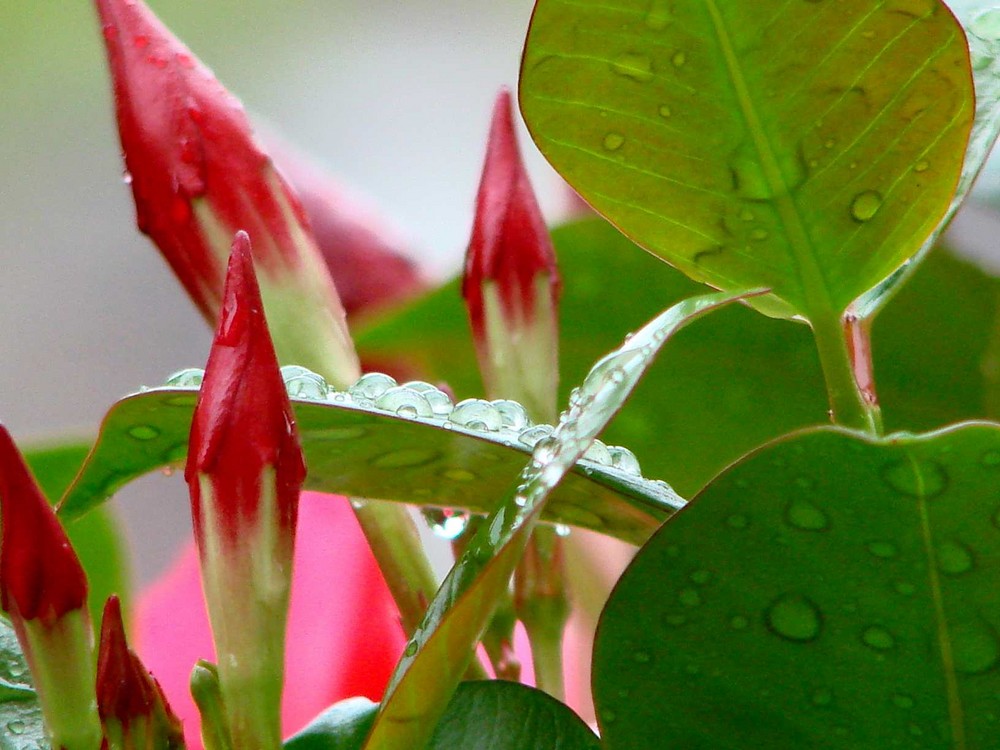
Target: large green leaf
(491, 715)
(736, 381)
(97, 538)
(808, 147)
(363, 451)
(829, 591)
(21, 726)
(443, 645)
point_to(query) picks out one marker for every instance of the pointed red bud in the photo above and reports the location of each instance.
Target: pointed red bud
(511, 283)
(243, 422)
(130, 702)
(40, 575)
(198, 176)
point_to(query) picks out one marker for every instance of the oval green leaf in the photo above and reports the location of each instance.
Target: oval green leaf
(806, 146)
(829, 591)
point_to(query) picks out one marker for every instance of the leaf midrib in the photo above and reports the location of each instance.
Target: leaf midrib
(817, 300)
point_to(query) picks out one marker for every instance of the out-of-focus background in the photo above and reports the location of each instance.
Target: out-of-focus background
(393, 96)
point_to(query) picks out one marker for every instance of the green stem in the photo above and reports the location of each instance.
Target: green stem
(395, 543)
(845, 355)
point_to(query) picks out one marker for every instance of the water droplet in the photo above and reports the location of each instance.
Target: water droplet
(459, 475)
(795, 618)
(143, 432)
(513, 415)
(562, 530)
(665, 111)
(920, 478)
(598, 453)
(659, 16)
(532, 435)
(678, 59)
(986, 25)
(737, 521)
(190, 377)
(990, 459)
(806, 516)
(884, 550)
(16, 727)
(641, 657)
(759, 234)
(613, 141)
(974, 648)
(739, 622)
(689, 597)
(406, 458)
(901, 700)
(878, 638)
(701, 577)
(865, 205)
(305, 384)
(447, 523)
(477, 414)
(954, 558)
(746, 214)
(411, 649)
(921, 166)
(822, 697)
(371, 385)
(127, 177)
(635, 66)
(405, 402)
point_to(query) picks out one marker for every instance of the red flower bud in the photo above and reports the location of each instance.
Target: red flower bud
(245, 469)
(40, 575)
(131, 704)
(198, 176)
(511, 284)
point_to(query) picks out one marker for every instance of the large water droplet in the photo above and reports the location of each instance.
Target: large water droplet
(190, 377)
(411, 648)
(598, 453)
(613, 141)
(532, 435)
(923, 478)
(954, 558)
(513, 415)
(405, 402)
(632, 65)
(986, 25)
(865, 205)
(878, 638)
(624, 460)
(16, 726)
(477, 414)
(439, 400)
(304, 384)
(794, 618)
(447, 523)
(974, 648)
(806, 516)
(371, 385)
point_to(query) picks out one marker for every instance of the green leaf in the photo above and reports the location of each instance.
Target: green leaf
(442, 646)
(721, 394)
(489, 715)
(366, 452)
(21, 726)
(97, 538)
(807, 147)
(343, 726)
(829, 591)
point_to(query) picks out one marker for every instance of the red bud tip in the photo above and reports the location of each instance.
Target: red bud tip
(243, 421)
(510, 244)
(185, 137)
(40, 575)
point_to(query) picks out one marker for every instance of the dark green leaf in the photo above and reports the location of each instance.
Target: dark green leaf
(343, 726)
(807, 147)
(442, 646)
(21, 726)
(829, 591)
(363, 452)
(97, 538)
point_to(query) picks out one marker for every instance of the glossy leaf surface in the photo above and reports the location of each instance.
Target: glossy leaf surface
(828, 591)
(737, 380)
(97, 538)
(807, 147)
(21, 725)
(443, 645)
(368, 453)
